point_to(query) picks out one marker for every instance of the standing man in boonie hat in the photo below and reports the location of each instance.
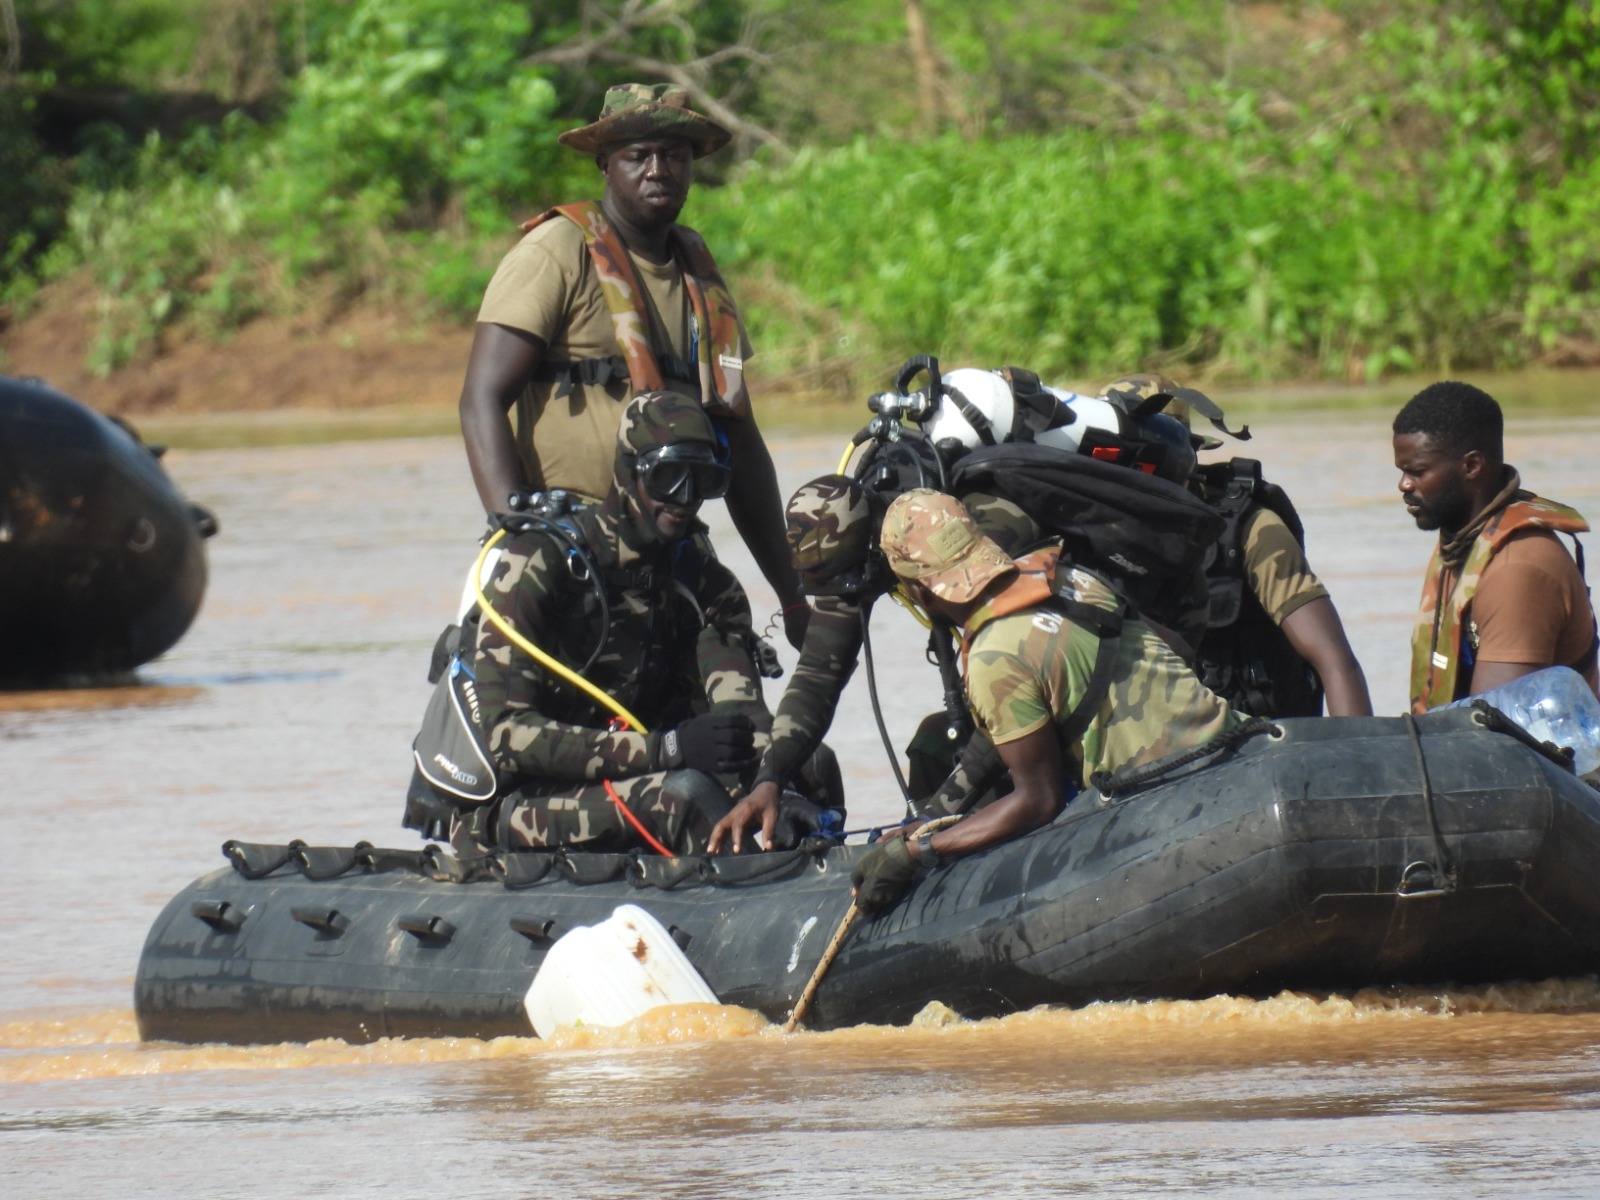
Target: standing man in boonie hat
(1061, 681)
(601, 301)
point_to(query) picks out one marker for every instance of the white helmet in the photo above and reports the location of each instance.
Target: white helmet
(978, 408)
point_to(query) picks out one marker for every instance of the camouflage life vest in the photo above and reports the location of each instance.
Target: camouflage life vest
(716, 346)
(1439, 639)
(1031, 586)
(1243, 655)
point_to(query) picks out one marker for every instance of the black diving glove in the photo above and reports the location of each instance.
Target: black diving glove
(884, 874)
(716, 743)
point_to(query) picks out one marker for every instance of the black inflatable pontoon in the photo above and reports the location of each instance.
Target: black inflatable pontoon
(1331, 854)
(102, 561)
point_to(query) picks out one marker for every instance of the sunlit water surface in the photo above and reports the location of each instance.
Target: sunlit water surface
(288, 710)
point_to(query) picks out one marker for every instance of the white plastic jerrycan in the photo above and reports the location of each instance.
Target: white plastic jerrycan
(610, 973)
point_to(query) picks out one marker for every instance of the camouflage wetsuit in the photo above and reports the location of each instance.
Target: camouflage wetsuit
(677, 643)
(828, 658)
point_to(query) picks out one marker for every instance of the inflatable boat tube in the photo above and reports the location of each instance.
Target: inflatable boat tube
(102, 561)
(1331, 854)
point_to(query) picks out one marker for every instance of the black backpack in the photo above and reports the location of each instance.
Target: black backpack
(1146, 535)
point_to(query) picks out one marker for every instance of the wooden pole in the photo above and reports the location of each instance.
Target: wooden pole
(846, 923)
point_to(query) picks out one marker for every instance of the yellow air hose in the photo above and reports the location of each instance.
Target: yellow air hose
(911, 606)
(844, 461)
(539, 656)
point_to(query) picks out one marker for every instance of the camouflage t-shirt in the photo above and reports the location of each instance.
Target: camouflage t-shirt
(547, 286)
(1276, 566)
(1030, 668)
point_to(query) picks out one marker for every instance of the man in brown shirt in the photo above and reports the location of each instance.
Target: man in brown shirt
(593, 297)
(1502, 596)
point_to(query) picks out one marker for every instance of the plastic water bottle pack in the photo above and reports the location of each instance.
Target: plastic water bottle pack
(1553, 705)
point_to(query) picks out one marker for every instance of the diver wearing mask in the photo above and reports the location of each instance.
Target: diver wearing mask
(671, 648)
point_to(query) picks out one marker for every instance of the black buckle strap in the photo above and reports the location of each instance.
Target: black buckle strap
(594, 372)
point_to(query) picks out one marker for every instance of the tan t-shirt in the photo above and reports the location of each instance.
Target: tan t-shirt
(1531, 605)
(1276, 567)
(546, 285)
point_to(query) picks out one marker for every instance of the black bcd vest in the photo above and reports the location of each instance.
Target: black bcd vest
(1244, 656)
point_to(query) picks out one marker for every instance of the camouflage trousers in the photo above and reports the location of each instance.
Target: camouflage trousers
(677, 807)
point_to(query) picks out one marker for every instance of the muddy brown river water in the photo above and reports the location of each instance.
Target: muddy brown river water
(288, 710)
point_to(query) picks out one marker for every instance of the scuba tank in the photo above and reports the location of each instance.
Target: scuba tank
(1100, 474)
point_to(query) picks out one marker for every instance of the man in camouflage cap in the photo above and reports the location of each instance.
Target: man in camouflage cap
(1058, 680)
(832, 525)
(673, 647)
(601, 301)
(1263, 628)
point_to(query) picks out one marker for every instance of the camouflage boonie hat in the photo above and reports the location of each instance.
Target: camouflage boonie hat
(656, 419)
(828, 524)
(930, 537)
(633, 112)
(1143, 387)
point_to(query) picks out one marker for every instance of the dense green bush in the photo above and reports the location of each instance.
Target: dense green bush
(1359, 188)
(1083, 257)
(417, 134)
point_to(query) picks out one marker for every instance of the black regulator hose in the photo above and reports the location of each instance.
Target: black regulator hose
(957, 720)
(877, 710)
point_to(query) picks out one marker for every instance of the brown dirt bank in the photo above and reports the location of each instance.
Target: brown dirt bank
(367, 371)
(366, 357)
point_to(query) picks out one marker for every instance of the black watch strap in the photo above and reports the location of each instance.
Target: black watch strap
(927, 856)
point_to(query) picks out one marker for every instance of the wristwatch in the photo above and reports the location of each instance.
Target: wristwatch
(927, 856)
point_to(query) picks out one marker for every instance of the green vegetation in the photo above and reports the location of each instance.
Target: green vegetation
(1340, 190)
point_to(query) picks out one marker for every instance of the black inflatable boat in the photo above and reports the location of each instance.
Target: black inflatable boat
(102, 561)
(1324, 855)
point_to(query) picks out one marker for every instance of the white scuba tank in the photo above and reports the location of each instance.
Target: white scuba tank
(990, 396)
(610, 973)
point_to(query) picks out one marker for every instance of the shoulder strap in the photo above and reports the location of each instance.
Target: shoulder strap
(1107, 625)
(619, 285)
(980, 423)
(1035, 408)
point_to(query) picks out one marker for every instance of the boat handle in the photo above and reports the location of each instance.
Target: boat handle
(426, 928)
(1419, 879)
(323, 920)
(532, 928)
(219, 914)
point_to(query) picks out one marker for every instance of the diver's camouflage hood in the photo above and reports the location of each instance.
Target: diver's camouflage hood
(828, 524)
(635, 112)
(656, 419)
(652, 420)
(930, 537)
(1184, 402)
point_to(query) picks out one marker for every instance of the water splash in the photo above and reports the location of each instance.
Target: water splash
(104, 1044)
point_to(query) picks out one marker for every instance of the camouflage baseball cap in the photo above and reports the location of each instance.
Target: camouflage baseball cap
(930, 537)
(633, 112)
(829, 527)
(656, 419)
(1144, 387)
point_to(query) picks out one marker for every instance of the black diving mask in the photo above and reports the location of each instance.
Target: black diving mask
(683, 473)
